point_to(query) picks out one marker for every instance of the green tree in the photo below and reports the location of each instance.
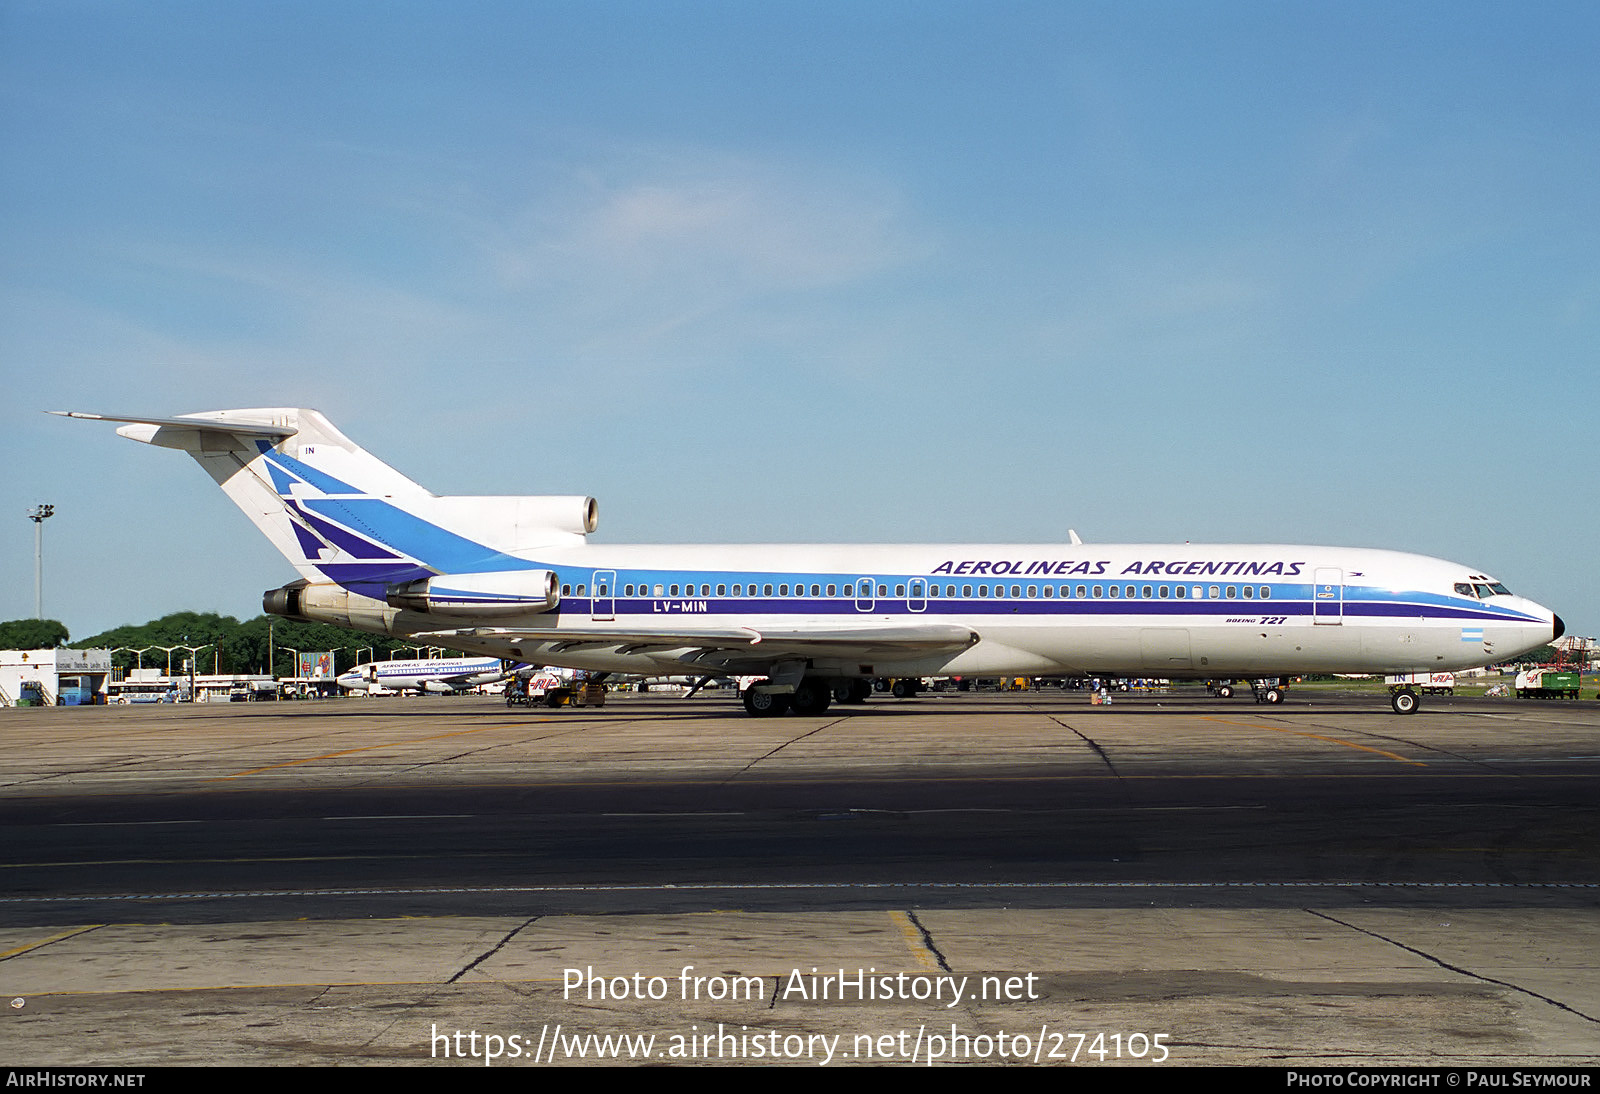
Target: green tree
(32, 634)
(235, 647)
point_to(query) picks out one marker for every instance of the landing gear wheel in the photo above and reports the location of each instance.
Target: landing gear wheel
(903, 689)
(1404, 701)
(764, 704)
(1272, 695)
(852, 691)
(811, 697)
(1225, 691)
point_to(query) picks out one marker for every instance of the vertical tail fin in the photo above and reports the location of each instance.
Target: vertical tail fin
(338, 513)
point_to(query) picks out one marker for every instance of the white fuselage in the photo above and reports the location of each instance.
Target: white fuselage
(436, 674)
(1176, 611)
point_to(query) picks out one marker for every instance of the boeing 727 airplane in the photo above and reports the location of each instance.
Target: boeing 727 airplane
(435, 674)
(516, 578)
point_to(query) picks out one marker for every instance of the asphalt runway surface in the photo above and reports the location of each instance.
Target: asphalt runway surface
(1319, 882)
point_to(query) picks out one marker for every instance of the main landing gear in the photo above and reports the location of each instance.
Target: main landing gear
(810, 697)
(1267, 691)
(1404, 700)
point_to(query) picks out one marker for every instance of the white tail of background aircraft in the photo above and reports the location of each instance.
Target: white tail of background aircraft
(515, 577)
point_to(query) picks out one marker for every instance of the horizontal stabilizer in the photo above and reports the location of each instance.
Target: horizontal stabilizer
(206, 424)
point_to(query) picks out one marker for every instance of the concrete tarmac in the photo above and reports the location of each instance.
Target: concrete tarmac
(1017, 878)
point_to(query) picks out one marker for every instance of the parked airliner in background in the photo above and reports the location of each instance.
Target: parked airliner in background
(440, 674)
(516, 578)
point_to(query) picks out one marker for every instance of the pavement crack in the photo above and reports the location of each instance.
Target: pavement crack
(768, 755)
(1443, 964)
(1091, 742)
(496, 948)
(927, 940)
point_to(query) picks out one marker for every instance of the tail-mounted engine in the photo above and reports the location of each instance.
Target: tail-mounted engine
(500, 592)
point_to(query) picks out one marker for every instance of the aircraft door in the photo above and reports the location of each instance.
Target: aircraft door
(603, 596)
(865, 600)
(918, 600)
(1327, 596)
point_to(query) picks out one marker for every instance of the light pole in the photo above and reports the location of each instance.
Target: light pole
(38, 514)
(169, 650)
(138, 652)
(295, 674)
(194, 651)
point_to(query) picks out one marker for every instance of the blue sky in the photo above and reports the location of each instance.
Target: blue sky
(1310, 273)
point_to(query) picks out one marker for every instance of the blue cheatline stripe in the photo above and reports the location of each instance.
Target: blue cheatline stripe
(441, 550)
(351, 544)
(304, 471)
(361, 576)
(1162, 611)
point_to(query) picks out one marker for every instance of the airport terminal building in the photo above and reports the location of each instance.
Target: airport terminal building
(58, 677)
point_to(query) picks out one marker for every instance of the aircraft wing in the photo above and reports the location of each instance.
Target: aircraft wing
(743, 643)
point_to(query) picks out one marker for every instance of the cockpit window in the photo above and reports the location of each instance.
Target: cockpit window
(1484, 592)
(1463, 589)
(1499, 589)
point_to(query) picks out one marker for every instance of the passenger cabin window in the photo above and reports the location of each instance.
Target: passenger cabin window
(566, 590)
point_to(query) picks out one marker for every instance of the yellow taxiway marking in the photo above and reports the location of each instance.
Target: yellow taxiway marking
(1317, 737)
(47, 941)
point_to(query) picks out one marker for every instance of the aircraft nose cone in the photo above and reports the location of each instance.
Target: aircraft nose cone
(1559, 627)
